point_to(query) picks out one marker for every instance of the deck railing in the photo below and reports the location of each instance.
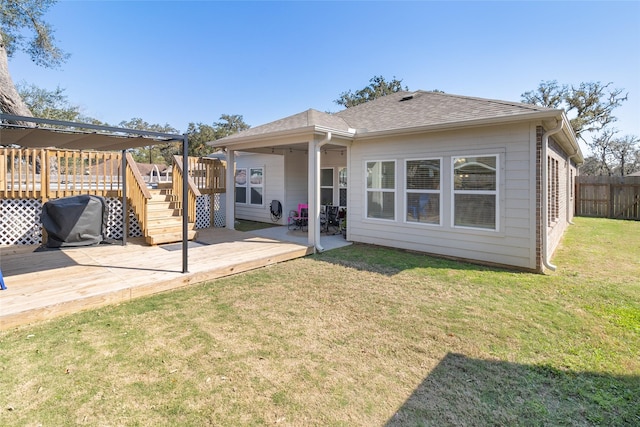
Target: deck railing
(137, 191)
(193, 192)
(51, 173)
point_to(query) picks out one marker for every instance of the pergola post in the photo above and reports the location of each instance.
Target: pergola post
(125, 208)
(185, 203)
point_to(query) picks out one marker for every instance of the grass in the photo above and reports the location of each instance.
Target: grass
(359, 336)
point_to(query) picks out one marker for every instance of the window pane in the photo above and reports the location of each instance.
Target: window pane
(256, 195)
(326, 196)
(241, 177)
(475, 173)
(256, 176)
(475, 210)
(424, 208)
(423, 174)
(381, 175)
(380, 204)
(343, 197)
(241, 195)
(342, 177)
(326, 177)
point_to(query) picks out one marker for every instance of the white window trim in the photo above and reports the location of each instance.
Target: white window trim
(495, 192)
(438, 192)
(382, 190)
(333, 180)
(248, 186)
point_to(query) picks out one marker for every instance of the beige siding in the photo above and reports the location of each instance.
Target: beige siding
(296, 164)
(512, 244)
(273, 186)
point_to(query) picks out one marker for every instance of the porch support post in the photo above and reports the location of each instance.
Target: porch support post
(125, 208)
(313, 234)
(230, 208)
(185, 203)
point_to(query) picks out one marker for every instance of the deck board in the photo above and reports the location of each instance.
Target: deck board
(51, 283)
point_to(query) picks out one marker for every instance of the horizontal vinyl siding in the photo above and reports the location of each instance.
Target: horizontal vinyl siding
(295, 168)
(511, 245)
(273, 186)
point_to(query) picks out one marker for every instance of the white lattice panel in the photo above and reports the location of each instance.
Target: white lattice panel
(114, 221)
(202, 212)
(220, 212)
(20, 222)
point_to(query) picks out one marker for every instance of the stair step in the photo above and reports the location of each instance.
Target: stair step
(165, 227)
(173, 237)
(163, 213)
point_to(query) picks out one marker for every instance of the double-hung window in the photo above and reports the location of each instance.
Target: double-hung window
(475, 191)
(381, 189)
(249, 186)
(423, 191)
(326, 186)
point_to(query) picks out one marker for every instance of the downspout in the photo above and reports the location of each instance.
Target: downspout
(316, 192)
(545, 195)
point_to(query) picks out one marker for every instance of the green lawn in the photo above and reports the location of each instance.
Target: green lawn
(359, 336)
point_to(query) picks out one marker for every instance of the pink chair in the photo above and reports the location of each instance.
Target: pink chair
(300, 218)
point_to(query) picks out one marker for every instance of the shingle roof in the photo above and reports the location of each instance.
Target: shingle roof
(400, 110)
(421, 108)
(305, 119)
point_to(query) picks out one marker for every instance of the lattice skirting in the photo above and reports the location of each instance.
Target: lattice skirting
(20, 222)
(20, 219)
(203, 217)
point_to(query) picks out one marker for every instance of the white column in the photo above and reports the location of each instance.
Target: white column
(312, 193)
(230, 211)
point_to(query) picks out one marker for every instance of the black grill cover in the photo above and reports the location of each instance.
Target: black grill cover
(75, 221)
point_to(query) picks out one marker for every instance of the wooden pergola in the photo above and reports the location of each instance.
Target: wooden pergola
(84, 136)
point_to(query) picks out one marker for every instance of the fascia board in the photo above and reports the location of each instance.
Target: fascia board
(273, 139)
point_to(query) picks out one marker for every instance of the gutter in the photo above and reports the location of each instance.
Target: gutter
(316, 187)
(545, 194)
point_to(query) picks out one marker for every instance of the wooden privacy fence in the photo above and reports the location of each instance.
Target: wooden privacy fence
(608, 197)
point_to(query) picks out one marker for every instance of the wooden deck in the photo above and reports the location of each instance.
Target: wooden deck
(51, 283)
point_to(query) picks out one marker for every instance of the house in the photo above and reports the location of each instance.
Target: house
(477, 179)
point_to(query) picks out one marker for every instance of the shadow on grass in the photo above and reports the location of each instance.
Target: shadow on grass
(391, 261)
(466, 391)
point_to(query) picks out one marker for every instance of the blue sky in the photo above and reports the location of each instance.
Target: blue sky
(179, 62)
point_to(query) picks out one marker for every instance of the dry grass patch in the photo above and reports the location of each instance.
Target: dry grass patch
(357, 336)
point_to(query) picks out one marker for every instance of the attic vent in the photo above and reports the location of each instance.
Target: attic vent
(407, 97)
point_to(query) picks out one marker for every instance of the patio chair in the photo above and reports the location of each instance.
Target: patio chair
(333, 222)
(299, 219)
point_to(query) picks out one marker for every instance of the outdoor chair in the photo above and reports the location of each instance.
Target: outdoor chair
(333, 222)
(299, 219)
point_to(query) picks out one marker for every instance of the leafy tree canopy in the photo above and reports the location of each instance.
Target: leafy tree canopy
(378, 87)
(48, 104)
(199, 133)
(590, 104)
(19, 19)
(19, 15)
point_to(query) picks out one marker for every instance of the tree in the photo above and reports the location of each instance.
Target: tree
(199, 134)
(377, 88)
(149, 153)
(48, 104)
(16, 18)
(625, 151)
(590, 104)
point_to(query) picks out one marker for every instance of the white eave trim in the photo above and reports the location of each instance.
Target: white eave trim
(280, 137)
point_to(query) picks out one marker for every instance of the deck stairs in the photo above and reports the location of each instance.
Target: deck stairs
(164, 217)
